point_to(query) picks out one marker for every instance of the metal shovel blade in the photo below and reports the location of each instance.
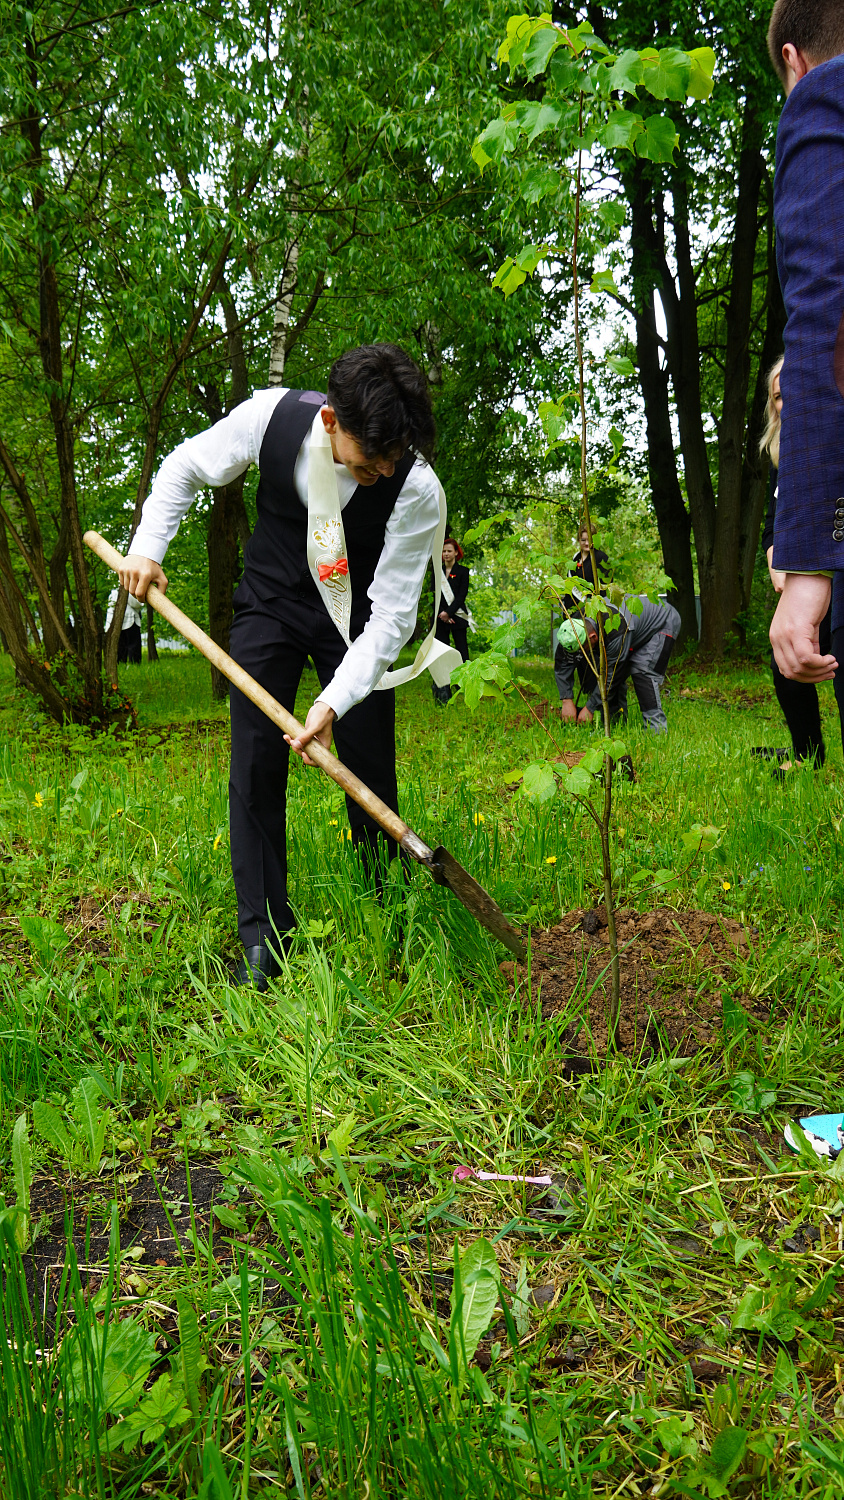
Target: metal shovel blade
(447, 871)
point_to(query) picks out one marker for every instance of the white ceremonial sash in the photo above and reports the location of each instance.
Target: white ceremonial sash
(329, 564)
(448, 594)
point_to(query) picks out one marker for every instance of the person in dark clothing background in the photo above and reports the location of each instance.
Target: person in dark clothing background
(452, 615)
(799, 700)
(583, 562)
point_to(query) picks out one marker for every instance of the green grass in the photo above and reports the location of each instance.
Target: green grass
(330, 1356)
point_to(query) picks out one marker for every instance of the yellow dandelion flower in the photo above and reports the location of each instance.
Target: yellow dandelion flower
(725, 885)
(332, 822)
(348, 833)
(39, 800)
(551, 859)
(218, 841)
(478, 818)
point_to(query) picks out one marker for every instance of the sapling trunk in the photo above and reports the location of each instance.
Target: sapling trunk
(603, 686)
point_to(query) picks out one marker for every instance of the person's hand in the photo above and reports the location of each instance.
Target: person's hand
(317, 727)
(585, 716)
(444, 616)
(137, 573)
(794, 629)
(568, 710)
(776, 575)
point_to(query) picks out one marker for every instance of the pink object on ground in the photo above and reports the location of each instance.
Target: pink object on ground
(462, 1174)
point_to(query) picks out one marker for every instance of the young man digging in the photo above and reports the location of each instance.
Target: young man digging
(348, 516)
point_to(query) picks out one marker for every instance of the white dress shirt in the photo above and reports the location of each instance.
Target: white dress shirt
(225, 451)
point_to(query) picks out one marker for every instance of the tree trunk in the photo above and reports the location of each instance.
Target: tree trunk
(725, 579)
(680, 305)
(281, 314)
(228, 513)
(754, 479)
(673, 519)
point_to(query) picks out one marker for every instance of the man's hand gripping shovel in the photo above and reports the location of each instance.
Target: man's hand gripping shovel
(442, 865)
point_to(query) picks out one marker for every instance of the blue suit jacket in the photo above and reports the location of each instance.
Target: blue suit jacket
(809, 213)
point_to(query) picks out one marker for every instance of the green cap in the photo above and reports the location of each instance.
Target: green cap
(572, 635)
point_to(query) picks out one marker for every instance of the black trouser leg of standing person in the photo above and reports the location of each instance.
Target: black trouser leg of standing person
(457, 633)
(446, 633)
(799, 703)
(274, 650)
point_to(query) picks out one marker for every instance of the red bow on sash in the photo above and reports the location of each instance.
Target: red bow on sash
(325, 570)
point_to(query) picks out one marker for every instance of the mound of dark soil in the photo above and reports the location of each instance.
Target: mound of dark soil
(671, 963)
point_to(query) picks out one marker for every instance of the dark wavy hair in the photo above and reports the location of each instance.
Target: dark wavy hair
(814, 27)
(381, 397)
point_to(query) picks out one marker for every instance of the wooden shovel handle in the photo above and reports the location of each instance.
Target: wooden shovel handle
(383, 815)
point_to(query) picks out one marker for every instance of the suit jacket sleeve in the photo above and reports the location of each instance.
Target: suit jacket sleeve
(809, 212)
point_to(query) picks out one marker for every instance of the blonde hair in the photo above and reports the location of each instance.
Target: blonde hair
(770, 440)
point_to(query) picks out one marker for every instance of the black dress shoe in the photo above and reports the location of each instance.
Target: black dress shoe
(258, 965)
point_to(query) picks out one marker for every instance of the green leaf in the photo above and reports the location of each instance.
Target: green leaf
(509, 277)
(603, 281)
(539, 782)
(666, 72)
(727, 1452)
(47, 938)
(50, 1126)
(484, 676)
(627, 72)
(583, 38)
(479, 1288)
(566, 73)
(530, 256)
(22, 1168)
(534, 119)
(520, 29)
(701, 838)
(90, 1117)
(658, 139)
(593, 761)
(538, 182)
(511, 778)
(125, 1361)
(343, 1134)
(191, 1361)
(499, 138)
(541, 47)
(621, 364)
(744, 1247)
(578, 782)
(621, 130)
(700, 83)
(612, 213)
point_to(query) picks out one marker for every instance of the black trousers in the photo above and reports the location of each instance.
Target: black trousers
(272, 641)
(129, 645)
(457, 631)
(799, 700)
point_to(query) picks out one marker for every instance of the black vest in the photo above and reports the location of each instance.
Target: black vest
(276, 560)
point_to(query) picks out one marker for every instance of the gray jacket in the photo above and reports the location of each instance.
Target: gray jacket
(629, 638)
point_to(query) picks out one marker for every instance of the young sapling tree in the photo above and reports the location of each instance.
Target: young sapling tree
(592, 101)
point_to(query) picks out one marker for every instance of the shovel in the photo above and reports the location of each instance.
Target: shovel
(442, 865)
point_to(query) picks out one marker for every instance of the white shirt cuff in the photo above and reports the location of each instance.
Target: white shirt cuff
(338, 698)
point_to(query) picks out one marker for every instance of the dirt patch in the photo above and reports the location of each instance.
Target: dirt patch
(670, 962)
(79, 1212)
